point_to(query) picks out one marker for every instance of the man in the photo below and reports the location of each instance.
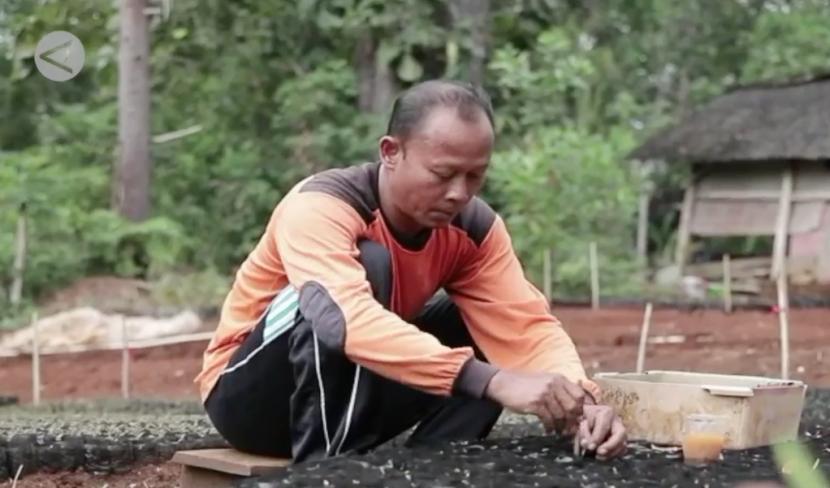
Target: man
(333, 338)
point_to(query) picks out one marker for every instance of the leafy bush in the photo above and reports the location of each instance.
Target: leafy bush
(561, 189)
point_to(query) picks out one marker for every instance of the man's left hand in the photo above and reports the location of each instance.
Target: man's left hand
(602, 431)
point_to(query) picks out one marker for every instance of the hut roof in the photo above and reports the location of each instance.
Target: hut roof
(752, 123)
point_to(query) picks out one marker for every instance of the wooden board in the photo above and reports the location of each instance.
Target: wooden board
(230, 461)
(193, 477)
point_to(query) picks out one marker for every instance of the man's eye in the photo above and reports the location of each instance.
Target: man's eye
(443, 176)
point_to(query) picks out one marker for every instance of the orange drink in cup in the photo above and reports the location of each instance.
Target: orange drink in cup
(703, 438)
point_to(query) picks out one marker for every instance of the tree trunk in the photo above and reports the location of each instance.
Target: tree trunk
(131, 182)
(376, 82)
(20, 248)
(471, 17)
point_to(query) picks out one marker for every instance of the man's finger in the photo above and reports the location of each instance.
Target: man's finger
(584, 432)
(576, 391)
(571, 404)
(572, 427)
(614, 441)
(546, 418)
(601, 427)
(554, 407)
(614, 453)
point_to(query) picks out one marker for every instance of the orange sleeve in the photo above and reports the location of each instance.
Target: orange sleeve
(509, 319)
(316, 238)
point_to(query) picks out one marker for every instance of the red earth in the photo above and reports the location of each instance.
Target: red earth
(744, 342)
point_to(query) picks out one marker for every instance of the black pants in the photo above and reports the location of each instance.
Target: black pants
(294, 397)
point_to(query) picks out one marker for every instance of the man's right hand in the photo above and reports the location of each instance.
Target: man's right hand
(553, 398)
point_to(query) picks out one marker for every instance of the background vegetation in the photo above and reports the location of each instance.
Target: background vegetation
(282, 88)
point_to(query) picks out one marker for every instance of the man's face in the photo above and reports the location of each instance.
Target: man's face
(435, 172)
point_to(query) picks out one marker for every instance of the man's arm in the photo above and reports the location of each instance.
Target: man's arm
(509, 319)
(315, 235)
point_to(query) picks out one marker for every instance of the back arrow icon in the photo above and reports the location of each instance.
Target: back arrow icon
(45, 56)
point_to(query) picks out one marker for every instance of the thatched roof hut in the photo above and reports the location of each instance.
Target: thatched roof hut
(760, 156)
(763, 122)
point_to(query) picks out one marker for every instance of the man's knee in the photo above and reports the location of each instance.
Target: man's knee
(377, 261)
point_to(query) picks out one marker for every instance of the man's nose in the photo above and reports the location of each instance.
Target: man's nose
(458, 190)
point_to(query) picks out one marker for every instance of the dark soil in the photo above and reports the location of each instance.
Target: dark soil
(99, 437)
(745, 342)
(539, 461)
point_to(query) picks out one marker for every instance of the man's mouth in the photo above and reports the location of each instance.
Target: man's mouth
(444, 213)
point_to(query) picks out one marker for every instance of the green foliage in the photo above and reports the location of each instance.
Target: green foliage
(272, 89)
(797, 462)
(562, 188)
(789, 44)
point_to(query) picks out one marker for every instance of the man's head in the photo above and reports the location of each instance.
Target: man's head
(436, 151)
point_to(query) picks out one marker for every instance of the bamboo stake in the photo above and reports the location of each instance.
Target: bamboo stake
(594, 276)
(642, 227)
(641, 352)
(783, 319)
(35, 362)
(125, 361)
(727, 284)
(782, 225)
(546, 272)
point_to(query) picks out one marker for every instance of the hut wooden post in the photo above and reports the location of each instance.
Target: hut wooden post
(727, 284)
(782, 225)
(683, 233)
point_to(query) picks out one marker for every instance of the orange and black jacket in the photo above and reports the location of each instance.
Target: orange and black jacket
(310, 244)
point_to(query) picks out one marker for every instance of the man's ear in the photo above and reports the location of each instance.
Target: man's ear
(391, 151)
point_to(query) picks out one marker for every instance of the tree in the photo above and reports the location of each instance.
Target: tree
(132, 179)
(471, 18)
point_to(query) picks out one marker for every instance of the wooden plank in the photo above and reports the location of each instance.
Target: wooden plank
(230, 461)
(803, 196)
(193, 477)
(782, 224)
(683, 233)
(740, 268)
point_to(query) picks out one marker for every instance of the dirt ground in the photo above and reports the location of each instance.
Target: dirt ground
(745, 342)
(148, 476)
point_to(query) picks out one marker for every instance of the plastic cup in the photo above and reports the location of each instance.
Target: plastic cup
(703, 438)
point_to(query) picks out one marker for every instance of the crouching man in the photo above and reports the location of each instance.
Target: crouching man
(387, 295)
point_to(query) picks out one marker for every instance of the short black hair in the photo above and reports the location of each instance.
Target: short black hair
(413, 105)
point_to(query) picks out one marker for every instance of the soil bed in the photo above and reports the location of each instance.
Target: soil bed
(538, 461)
